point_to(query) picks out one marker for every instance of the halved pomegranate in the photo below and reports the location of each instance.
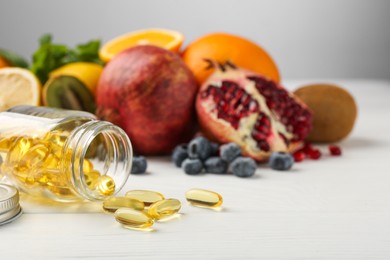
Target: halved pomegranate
(236, 105)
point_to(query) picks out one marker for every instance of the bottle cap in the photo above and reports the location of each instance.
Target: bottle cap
(9, 204)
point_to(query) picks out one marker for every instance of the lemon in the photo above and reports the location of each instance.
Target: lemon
(18, 87)
(87, 72)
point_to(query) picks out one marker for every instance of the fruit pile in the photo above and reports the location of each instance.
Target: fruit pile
(222, 85)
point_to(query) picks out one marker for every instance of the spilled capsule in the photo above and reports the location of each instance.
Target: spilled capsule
(114, 203)
(148, 197)
(105, 185)
(204, 198)
(164, 208)
(133, 218)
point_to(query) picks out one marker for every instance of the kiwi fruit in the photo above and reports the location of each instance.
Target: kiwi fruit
(334, 111)
(68, 92)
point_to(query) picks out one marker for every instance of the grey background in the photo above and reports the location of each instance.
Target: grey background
(307, 38)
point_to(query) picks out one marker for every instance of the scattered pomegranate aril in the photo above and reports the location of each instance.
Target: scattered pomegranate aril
(314, 154)
(307, 147)
(299, 156)
(334, 150)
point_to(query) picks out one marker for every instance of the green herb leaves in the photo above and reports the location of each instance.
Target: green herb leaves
(50, 56)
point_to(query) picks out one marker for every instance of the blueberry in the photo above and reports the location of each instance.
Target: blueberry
(139, 165)
(214, 149)
(215, 165)
(229, 152)
(281, 161)
(243, 167)
(192, 166)
(179, 154)
(199, 148)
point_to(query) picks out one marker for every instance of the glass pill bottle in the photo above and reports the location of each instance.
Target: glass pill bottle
(61, 154)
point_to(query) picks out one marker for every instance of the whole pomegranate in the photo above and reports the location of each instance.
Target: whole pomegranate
(236, 105)
(150, 93)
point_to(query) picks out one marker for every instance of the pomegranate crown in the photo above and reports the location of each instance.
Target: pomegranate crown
(223, 66)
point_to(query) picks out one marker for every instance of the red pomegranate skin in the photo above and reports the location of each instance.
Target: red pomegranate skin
(150, 93)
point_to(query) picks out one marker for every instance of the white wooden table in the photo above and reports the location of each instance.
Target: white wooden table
(334, 208)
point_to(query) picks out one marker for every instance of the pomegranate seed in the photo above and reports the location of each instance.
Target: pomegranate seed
(225, 107)
(266, 92)
(239, 94)
(271, 104)
(307, 147)
(212, 90)
(246, 100)
(264, 120)
(281, 106)
(314, 154)
(259, 136)
(299, 156)
(263, 129)
(243, 113)
(264, 146)
(334, 150)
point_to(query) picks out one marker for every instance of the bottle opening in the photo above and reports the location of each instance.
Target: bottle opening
(100, 155)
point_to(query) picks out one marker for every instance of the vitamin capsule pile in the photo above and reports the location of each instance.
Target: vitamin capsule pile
(141, 208)
(36, 164)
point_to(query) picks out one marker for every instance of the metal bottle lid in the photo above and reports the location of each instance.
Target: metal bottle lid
(9, 204)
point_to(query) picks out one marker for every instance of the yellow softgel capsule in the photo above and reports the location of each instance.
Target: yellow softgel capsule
(204, 198)
(53, 178)
(24, 176)
(148, 197)
(133, 218)
(87, 165)
(5, 143)
(36, 155)
(19, 149)
(106, 185)
(114, 203)
(51, 162)
(56, 140)
(91, 178)
(164, 208)
(56, 137)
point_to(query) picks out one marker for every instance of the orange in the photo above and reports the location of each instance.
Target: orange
(222, 47)
(3, 63)
(168, 39)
